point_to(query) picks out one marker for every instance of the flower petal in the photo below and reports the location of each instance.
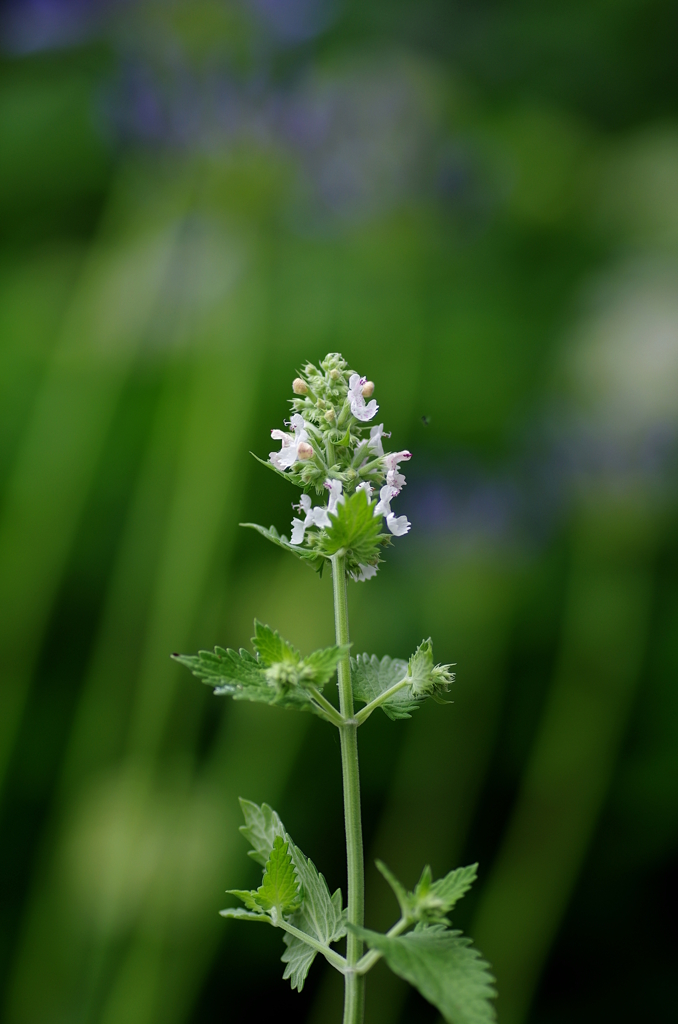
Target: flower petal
(398, 525)
(298, 531)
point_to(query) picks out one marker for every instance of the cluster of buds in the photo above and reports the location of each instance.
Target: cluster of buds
(330, 446)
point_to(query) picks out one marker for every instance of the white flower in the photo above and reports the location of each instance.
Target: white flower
(289, 452)
(375, 443)
(393, 458)
(365, 486)
(398, 525)
(335, 488)
(299, 526)
(386, 494)
(366, 573)
(357, 400)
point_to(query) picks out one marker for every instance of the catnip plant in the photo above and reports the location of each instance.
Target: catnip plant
(330, 451)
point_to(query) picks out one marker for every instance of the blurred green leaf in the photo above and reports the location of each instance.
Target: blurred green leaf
(430, 901)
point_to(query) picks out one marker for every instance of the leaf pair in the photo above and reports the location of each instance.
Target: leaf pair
(277, 675)
(303, 897)
(439, 962)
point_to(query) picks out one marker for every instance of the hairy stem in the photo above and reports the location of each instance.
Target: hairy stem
(354, 988)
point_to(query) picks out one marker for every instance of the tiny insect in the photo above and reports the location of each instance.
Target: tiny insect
(426, 420)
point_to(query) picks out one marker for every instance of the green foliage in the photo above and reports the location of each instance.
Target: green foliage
(277, 675)
(430, 901)
(444, 967)
(371, 677)
(354, 530)
(310, 908)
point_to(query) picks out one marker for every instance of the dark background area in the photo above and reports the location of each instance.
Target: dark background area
(478, 205)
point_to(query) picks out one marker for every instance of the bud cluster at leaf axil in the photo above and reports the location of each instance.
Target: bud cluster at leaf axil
(331, 449)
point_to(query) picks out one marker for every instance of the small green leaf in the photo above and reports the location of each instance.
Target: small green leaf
(281, 541)
(319, 667)
(279, 472)
(279, 889)
(371, 677)
(444, 967)
(419, 668)
(261, 827)
(430, 901)
(240, 914)
(271, 647)
(249, 898)
(354, 529)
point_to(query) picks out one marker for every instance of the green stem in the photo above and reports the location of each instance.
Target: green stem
(365, 712)
(354, 985)
(330, 712)
(330, 955)
(369, 960)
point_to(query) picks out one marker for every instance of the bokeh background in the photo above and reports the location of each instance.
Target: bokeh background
(477, 203)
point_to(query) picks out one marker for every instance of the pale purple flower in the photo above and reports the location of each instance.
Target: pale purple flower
(289, 452)
(398, 525)
(357, 400)
(386, 494)
(393, 477)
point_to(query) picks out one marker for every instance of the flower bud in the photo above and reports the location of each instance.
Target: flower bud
(330, 415)
(368, 389)
(305, 451)
(335, 374)
(299, 386)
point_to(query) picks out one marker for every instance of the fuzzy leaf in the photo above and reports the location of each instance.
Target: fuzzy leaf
(370, 677)
(444, 967)
(320, 666)
(261, 827)
(420, 665)
(240, 914)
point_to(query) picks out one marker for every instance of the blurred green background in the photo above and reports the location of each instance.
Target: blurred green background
(477, 203)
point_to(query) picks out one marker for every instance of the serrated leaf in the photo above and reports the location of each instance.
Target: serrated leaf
(320, 666)
(271, 647)
(298, 957)
(453, 886)
(370, 677)
(354, 529)
(444, 967)
(279, 889)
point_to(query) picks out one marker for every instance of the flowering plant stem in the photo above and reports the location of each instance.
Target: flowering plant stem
(354, 984)
(318, 455)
